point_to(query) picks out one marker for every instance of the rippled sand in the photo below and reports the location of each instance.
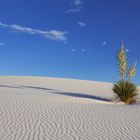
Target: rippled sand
(37, 108)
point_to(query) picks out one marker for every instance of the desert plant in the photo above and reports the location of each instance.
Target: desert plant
(125, 91)
(131, 71)
(122, 62)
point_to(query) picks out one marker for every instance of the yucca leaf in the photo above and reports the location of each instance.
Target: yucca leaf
(125, 91)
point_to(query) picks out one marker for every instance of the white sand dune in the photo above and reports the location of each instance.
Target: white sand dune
(36, 108)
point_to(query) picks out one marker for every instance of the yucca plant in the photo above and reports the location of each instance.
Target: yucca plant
(131, 71)
(122, 62)
(125, 91)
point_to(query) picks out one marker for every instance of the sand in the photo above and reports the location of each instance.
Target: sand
(37, 108)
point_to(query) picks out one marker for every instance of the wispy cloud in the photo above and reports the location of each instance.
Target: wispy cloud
(78, 2)
(74, 10)
(76, 6)
(79, 50)
(83, 50)
(104, 43)
(81, 24)
(51, 34)
(73, 50)
(127, 50)
(2, 44)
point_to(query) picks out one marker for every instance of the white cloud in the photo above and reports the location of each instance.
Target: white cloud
(104, 43)
(2, 44)
(127, 50)
(51, 34)
(73, 50)
(77, 6)
(78, 2)
(83, 50)
(74, 10)
(81, 24)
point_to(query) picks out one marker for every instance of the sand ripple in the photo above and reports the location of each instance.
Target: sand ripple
(55, 118)
(48, 116)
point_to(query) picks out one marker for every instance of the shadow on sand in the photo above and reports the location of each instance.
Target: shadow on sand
(40, 88)
(82, 96)
(6, 86)
(60, 93)
(24, 87)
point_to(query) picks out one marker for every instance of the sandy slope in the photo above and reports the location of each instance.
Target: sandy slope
(34, 108)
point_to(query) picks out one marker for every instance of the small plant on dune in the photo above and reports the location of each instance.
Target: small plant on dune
(125, 90)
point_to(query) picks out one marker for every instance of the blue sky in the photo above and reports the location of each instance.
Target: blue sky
(68, 38)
